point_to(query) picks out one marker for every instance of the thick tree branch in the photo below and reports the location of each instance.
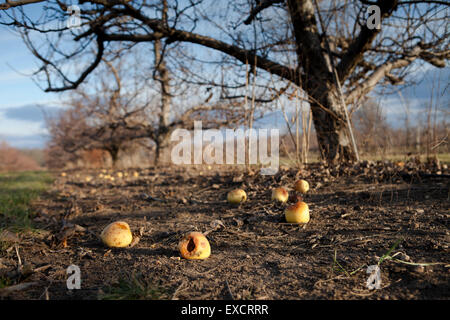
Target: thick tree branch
(12, 4)
(245, 56)
(309, 49)
(85, 73)
(418, 52)
(260, 7)
(410, 2)
(362, 42)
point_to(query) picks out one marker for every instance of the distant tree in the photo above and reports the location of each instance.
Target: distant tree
(115, 109)
(83, 127)
(12, 159)
(371, 127)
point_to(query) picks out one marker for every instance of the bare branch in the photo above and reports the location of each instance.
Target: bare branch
(260, 7)
(12, 4)
(363, 41)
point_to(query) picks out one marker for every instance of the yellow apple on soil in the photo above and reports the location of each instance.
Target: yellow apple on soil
(297, 213)
(280, 194)
(194, 246)
(302, 186)
(236, 196)
(117, 235)
(399, 164)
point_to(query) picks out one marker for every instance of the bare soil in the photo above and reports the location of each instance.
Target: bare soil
(357, 214)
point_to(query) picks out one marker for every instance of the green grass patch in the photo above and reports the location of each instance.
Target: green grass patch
(4, 282)
(17, 190)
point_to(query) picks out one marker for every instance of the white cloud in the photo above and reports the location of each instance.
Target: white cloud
(31, 101)
(21, 128)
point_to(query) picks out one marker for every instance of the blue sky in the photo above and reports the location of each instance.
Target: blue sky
(22, 122)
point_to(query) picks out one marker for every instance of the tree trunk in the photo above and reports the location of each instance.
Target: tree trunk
(319, 83)
(163, 78)
(114, 153)
(162, 143)
(157, 159)
(331, 128)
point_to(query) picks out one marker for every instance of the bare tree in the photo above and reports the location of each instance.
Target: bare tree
(98, 111)
(12, 159)
(326, 48)
(371, 127)
(115, 109)
(77, 130)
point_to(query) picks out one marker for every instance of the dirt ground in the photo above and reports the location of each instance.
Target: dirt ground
(357, 214)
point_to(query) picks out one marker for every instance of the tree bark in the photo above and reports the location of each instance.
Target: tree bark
(162, 75)
(162, 143)
(114, 153)
(328, 114)
(331, 129)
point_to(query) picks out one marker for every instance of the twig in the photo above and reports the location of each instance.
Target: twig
(179, 290)
(420, 264)
(215, 225)
(17, 287)
(42, 268)
(147, 197)
(46, 292)
(19, 261)
(229, 289)
(134, 242)
(441, 142)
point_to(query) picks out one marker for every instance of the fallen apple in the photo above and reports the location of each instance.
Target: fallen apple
(236, 196)
(297, 213)
(302, 186)
(63, 174)
(280, 195)
(399, 164)
(117, 235)
(194, 246)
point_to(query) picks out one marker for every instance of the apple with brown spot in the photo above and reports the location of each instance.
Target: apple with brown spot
(236, 196)
(297, 213)
(117, 235)
(194, 246)
(280, 194)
